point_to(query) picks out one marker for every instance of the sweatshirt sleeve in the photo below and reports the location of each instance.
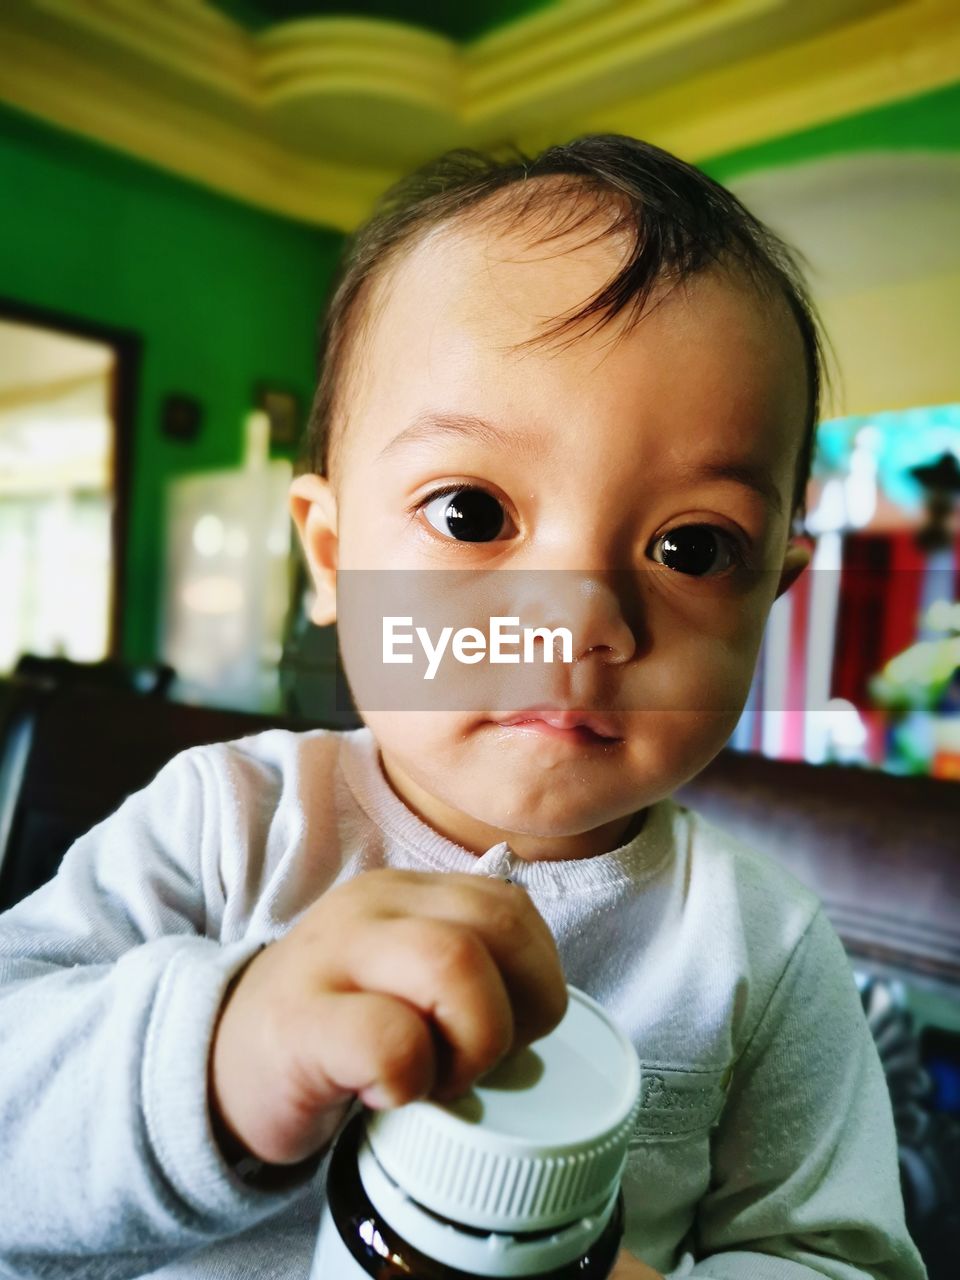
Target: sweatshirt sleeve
(109, 992)
(805, 1178)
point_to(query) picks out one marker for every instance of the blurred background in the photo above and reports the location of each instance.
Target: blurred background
(176, 181)
(178, 178)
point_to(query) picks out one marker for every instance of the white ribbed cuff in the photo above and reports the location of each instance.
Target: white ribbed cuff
(174, 1082)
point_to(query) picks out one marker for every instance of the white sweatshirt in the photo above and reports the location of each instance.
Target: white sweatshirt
(765, 1146)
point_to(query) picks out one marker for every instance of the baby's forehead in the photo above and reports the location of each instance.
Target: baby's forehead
(484, 261)
(509, 287)
(457, 330)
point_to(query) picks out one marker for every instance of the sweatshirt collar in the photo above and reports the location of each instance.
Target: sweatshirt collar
(634, 862)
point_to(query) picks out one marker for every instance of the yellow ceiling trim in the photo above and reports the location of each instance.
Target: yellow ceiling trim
(322, 56)
(572, 21)
(311, 119)
(505, 76)
(189, 37)
(889, 57)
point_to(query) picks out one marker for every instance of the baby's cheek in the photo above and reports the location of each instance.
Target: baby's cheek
(684, 702)
(668, 748)
(694, 672)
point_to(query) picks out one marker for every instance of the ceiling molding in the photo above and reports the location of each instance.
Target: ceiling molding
(153, 110)
(886, 58)
(323, 56)
(313, 118)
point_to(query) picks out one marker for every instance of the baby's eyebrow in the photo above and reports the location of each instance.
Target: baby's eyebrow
(749, 475)
(429, 427)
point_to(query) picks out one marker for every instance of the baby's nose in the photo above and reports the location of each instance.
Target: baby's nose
(592, 607)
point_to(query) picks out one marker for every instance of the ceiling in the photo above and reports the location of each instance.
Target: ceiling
(32, 359)
(460, 21)
(310, 111)
(55, 428)
(877, 234)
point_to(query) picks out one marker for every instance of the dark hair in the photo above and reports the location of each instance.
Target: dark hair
(680, 221)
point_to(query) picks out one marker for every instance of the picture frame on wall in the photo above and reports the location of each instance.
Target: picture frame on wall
(181, 417)
(282, 407)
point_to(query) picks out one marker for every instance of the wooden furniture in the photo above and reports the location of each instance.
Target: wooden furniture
(71, 752)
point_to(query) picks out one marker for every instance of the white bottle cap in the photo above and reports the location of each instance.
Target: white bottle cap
(538, 1141)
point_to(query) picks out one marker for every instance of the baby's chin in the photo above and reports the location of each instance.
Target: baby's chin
(548, 829)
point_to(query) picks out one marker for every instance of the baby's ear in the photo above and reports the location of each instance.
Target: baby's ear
(314, 511)
(797, 556)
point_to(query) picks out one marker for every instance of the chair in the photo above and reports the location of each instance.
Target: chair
(75, 741)
(153, 679)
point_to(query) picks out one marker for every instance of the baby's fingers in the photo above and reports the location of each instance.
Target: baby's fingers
(444, 971)
(353, 1043)
(376, 1046)
(503, 917)
(518, 939)
(630, 1268)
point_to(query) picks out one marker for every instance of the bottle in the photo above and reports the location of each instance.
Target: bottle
(518, 1177)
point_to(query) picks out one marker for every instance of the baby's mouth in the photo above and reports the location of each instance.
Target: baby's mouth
(585, 728)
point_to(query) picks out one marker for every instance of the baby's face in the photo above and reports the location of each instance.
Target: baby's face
(613, 447)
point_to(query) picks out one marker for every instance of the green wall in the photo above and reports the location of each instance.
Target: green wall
(222, 295)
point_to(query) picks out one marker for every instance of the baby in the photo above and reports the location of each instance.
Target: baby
(598, 362)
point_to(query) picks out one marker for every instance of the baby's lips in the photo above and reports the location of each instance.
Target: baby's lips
(604, 726)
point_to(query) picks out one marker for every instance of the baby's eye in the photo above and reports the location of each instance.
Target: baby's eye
(699, 550)
(466, 513)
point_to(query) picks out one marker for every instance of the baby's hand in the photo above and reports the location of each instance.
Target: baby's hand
(630, 1268)
(394, 986)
